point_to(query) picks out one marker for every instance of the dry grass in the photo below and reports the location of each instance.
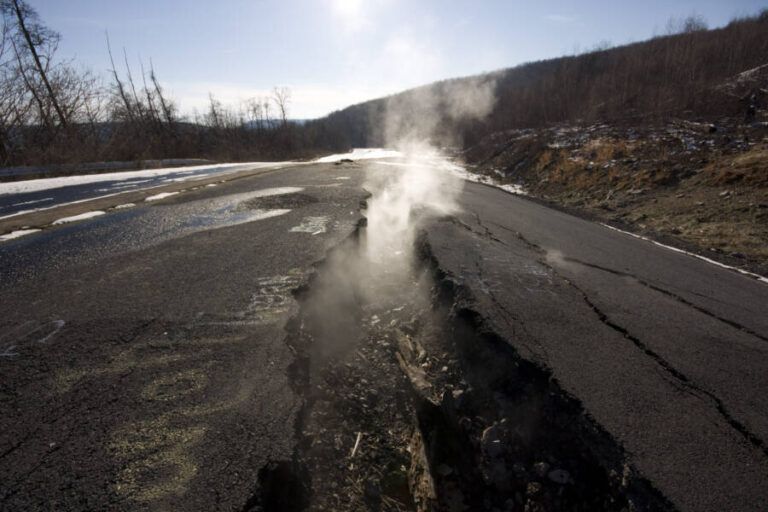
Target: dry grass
(704, 191)
(747, 169)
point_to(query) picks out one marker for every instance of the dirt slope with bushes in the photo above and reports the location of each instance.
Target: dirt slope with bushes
(701, 185)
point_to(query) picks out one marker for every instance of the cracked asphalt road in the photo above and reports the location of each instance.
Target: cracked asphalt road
(143, 362)
(667, 353)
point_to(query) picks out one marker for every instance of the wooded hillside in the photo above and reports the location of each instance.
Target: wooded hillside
(687, 74)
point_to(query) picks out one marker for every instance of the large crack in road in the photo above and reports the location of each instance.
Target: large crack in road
(483, 372)
(673, 381)
(413, 402)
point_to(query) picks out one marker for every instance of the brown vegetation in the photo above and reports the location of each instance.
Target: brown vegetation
(668, 138)
(700, 185)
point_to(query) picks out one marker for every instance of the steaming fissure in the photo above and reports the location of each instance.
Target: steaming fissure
(411, 402)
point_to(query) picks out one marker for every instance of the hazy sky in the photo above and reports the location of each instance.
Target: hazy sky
(333, 53)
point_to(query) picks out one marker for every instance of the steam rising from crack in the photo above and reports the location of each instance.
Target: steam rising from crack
(420, 115)
(423, 184)
(402, 198)
(374, 273)
(361, 309)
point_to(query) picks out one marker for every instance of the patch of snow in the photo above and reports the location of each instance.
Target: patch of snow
(264, 214)
(342, 178)
(275, 191)
(211, 185)
(760, 278)
(75, 218)
(462, 173)
(361, 154)
(126, 205)
(513, 189)
(20, 187)
(161, 195)
(116, 187)
(17, 234)
(313, 225)
(748, 73)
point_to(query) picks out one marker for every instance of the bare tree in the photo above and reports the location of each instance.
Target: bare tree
(31, 86)
(149, 95)
(255, 113)
(36, 37)
(266, 108)
(693, 23)
(282, 97)
(137, 102)
(11, 94)
(214, 117)
(119, 84)
(164, 103)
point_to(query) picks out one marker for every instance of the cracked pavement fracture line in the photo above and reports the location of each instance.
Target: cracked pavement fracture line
(663, 363)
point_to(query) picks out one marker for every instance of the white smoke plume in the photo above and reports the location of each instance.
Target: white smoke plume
(422, 183)
(416, 188)
(380, 271)
(428, 113)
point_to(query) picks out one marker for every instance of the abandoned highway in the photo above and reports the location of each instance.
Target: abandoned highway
(165, 357)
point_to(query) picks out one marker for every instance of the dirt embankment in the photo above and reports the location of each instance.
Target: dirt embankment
(701, 185)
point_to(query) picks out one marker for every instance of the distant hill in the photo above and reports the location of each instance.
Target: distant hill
(680, 75)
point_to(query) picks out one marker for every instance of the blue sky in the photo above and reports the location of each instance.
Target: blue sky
(333, 53)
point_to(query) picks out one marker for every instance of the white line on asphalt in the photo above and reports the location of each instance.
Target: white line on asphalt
(703, 258)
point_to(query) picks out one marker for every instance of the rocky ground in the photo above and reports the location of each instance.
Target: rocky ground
(699, 185)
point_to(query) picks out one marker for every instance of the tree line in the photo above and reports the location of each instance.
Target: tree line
(685, 72)
(53, 111)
